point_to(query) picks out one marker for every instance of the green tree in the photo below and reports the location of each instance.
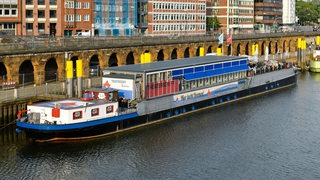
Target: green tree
(308, 12)
(212, 23)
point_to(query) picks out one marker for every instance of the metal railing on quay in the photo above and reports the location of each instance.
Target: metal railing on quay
(52, 90)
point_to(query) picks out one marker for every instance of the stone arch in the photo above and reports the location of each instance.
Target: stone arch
(94, 61)
(174, 54)
(51, 70)
(94, 65)
(160, 56)
(113, 60)
(26, 74)
(3, 73)
(186, 53)
(130, 58)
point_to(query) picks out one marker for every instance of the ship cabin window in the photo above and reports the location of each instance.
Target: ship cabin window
(235, 75)
(200, 82)
(213, 80)
(219, 80)
(193, 84)
(77, 115)
(207, 82)
(231, 76)
(94, 112)
(225, 78)
(109, 109)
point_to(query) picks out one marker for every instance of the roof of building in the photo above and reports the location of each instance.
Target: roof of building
(172, 64)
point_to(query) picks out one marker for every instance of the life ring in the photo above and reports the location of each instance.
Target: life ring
(248, 73)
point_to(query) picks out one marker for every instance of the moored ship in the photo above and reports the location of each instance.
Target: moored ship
(142, 94)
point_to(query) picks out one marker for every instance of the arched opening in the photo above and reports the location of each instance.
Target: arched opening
(26, 75)
(186, 53)
(269, 48)
(229, 50)
(51, 70)
(130, 58)
(238, 50)
(3, 73)
(284, 46)
(209, 50)
(113, 61)
(277, 48)
(247, 49)
(263, 47)
(94, 66)
(160, 56)
(174, 54)
(198, 51)
(74, 64)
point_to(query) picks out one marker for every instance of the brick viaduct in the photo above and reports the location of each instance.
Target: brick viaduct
(41, 67)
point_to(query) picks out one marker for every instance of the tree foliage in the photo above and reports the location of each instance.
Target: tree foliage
(213, 23)
(308, 12)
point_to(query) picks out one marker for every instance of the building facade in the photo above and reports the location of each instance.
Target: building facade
(235, 16)
(77, 17)
(268, 15)
(10, 17)
(175, 17)
(115, 17)
(40, 17)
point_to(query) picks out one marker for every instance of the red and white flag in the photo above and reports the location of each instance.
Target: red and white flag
(229, 39)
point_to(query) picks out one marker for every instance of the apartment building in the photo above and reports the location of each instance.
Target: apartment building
(235, 16)
(115, 17)
(185, 17)
(268, 15)
(10, 17)
(78, 16)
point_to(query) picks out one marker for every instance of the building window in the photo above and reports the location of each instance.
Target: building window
(29, 27)
(6, 12)
(69, 18)
(40, 2)
(29, 2)
(78, 17)
(29, 13)
(53, 13)
(41, 27)
(41, 14)
(13, 12)
(69, 4)
(86, 5)
(53, 2)
(86, 17)
(1, 13)
(78, 5)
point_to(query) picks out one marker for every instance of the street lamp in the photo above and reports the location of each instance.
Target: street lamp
(275, 23)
